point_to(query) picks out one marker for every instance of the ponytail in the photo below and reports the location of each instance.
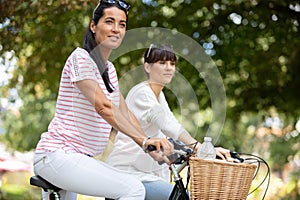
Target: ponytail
(90, 45)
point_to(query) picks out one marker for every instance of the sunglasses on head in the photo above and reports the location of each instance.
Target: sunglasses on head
(121, 3)
(153, 46)
(149, 50)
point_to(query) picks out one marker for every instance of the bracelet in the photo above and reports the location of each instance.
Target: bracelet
(144, 144)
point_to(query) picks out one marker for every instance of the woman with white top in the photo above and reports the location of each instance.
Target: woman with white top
(148, 103)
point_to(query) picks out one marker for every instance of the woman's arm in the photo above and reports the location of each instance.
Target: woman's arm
(186, 138)
(113, 114)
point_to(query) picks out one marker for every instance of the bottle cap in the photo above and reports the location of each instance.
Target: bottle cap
(207, 139)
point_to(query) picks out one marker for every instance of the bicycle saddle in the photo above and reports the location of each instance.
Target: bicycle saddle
(40, 182)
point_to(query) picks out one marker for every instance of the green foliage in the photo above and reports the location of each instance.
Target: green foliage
(23, 127)
(283, 149)
(42, 34)
(254, 45)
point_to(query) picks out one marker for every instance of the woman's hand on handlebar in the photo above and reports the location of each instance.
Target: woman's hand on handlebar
(161, 144)
(223, 153)
(159, 157)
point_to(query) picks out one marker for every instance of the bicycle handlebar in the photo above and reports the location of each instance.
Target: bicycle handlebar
(180, 150)
(151, 148)
(180, 153)
(236, 155)
(178, 146)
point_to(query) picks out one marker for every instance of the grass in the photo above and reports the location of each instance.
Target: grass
(17, 192)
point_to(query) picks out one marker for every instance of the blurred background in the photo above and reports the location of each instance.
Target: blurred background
(255, 45)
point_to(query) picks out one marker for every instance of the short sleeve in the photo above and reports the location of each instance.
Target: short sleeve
(82, 67)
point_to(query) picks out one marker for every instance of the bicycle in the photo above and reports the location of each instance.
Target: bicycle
(178, 161)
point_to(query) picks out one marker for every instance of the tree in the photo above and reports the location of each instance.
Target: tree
(41, 34)
(255, 45)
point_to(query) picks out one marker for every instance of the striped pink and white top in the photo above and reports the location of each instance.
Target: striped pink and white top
(76, 126)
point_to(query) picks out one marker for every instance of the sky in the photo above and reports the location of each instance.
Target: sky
(7, 64)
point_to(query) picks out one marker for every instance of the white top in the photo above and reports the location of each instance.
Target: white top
(76, 126)
(157, 121)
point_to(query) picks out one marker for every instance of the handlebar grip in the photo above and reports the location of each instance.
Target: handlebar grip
(151, 148)
(235, 155)
(189, 151)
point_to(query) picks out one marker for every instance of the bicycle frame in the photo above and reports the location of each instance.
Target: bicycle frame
(179, 192)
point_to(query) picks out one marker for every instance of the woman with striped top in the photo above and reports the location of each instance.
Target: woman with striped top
(89, 106)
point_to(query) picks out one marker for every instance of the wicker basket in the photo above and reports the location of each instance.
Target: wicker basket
(217, 179)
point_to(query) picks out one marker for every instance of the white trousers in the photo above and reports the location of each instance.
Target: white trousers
(78, 173)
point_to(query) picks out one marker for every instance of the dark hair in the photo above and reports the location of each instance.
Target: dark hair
(89, 42)
(159, 53)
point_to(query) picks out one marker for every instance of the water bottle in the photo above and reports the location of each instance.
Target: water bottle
(207, 150)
